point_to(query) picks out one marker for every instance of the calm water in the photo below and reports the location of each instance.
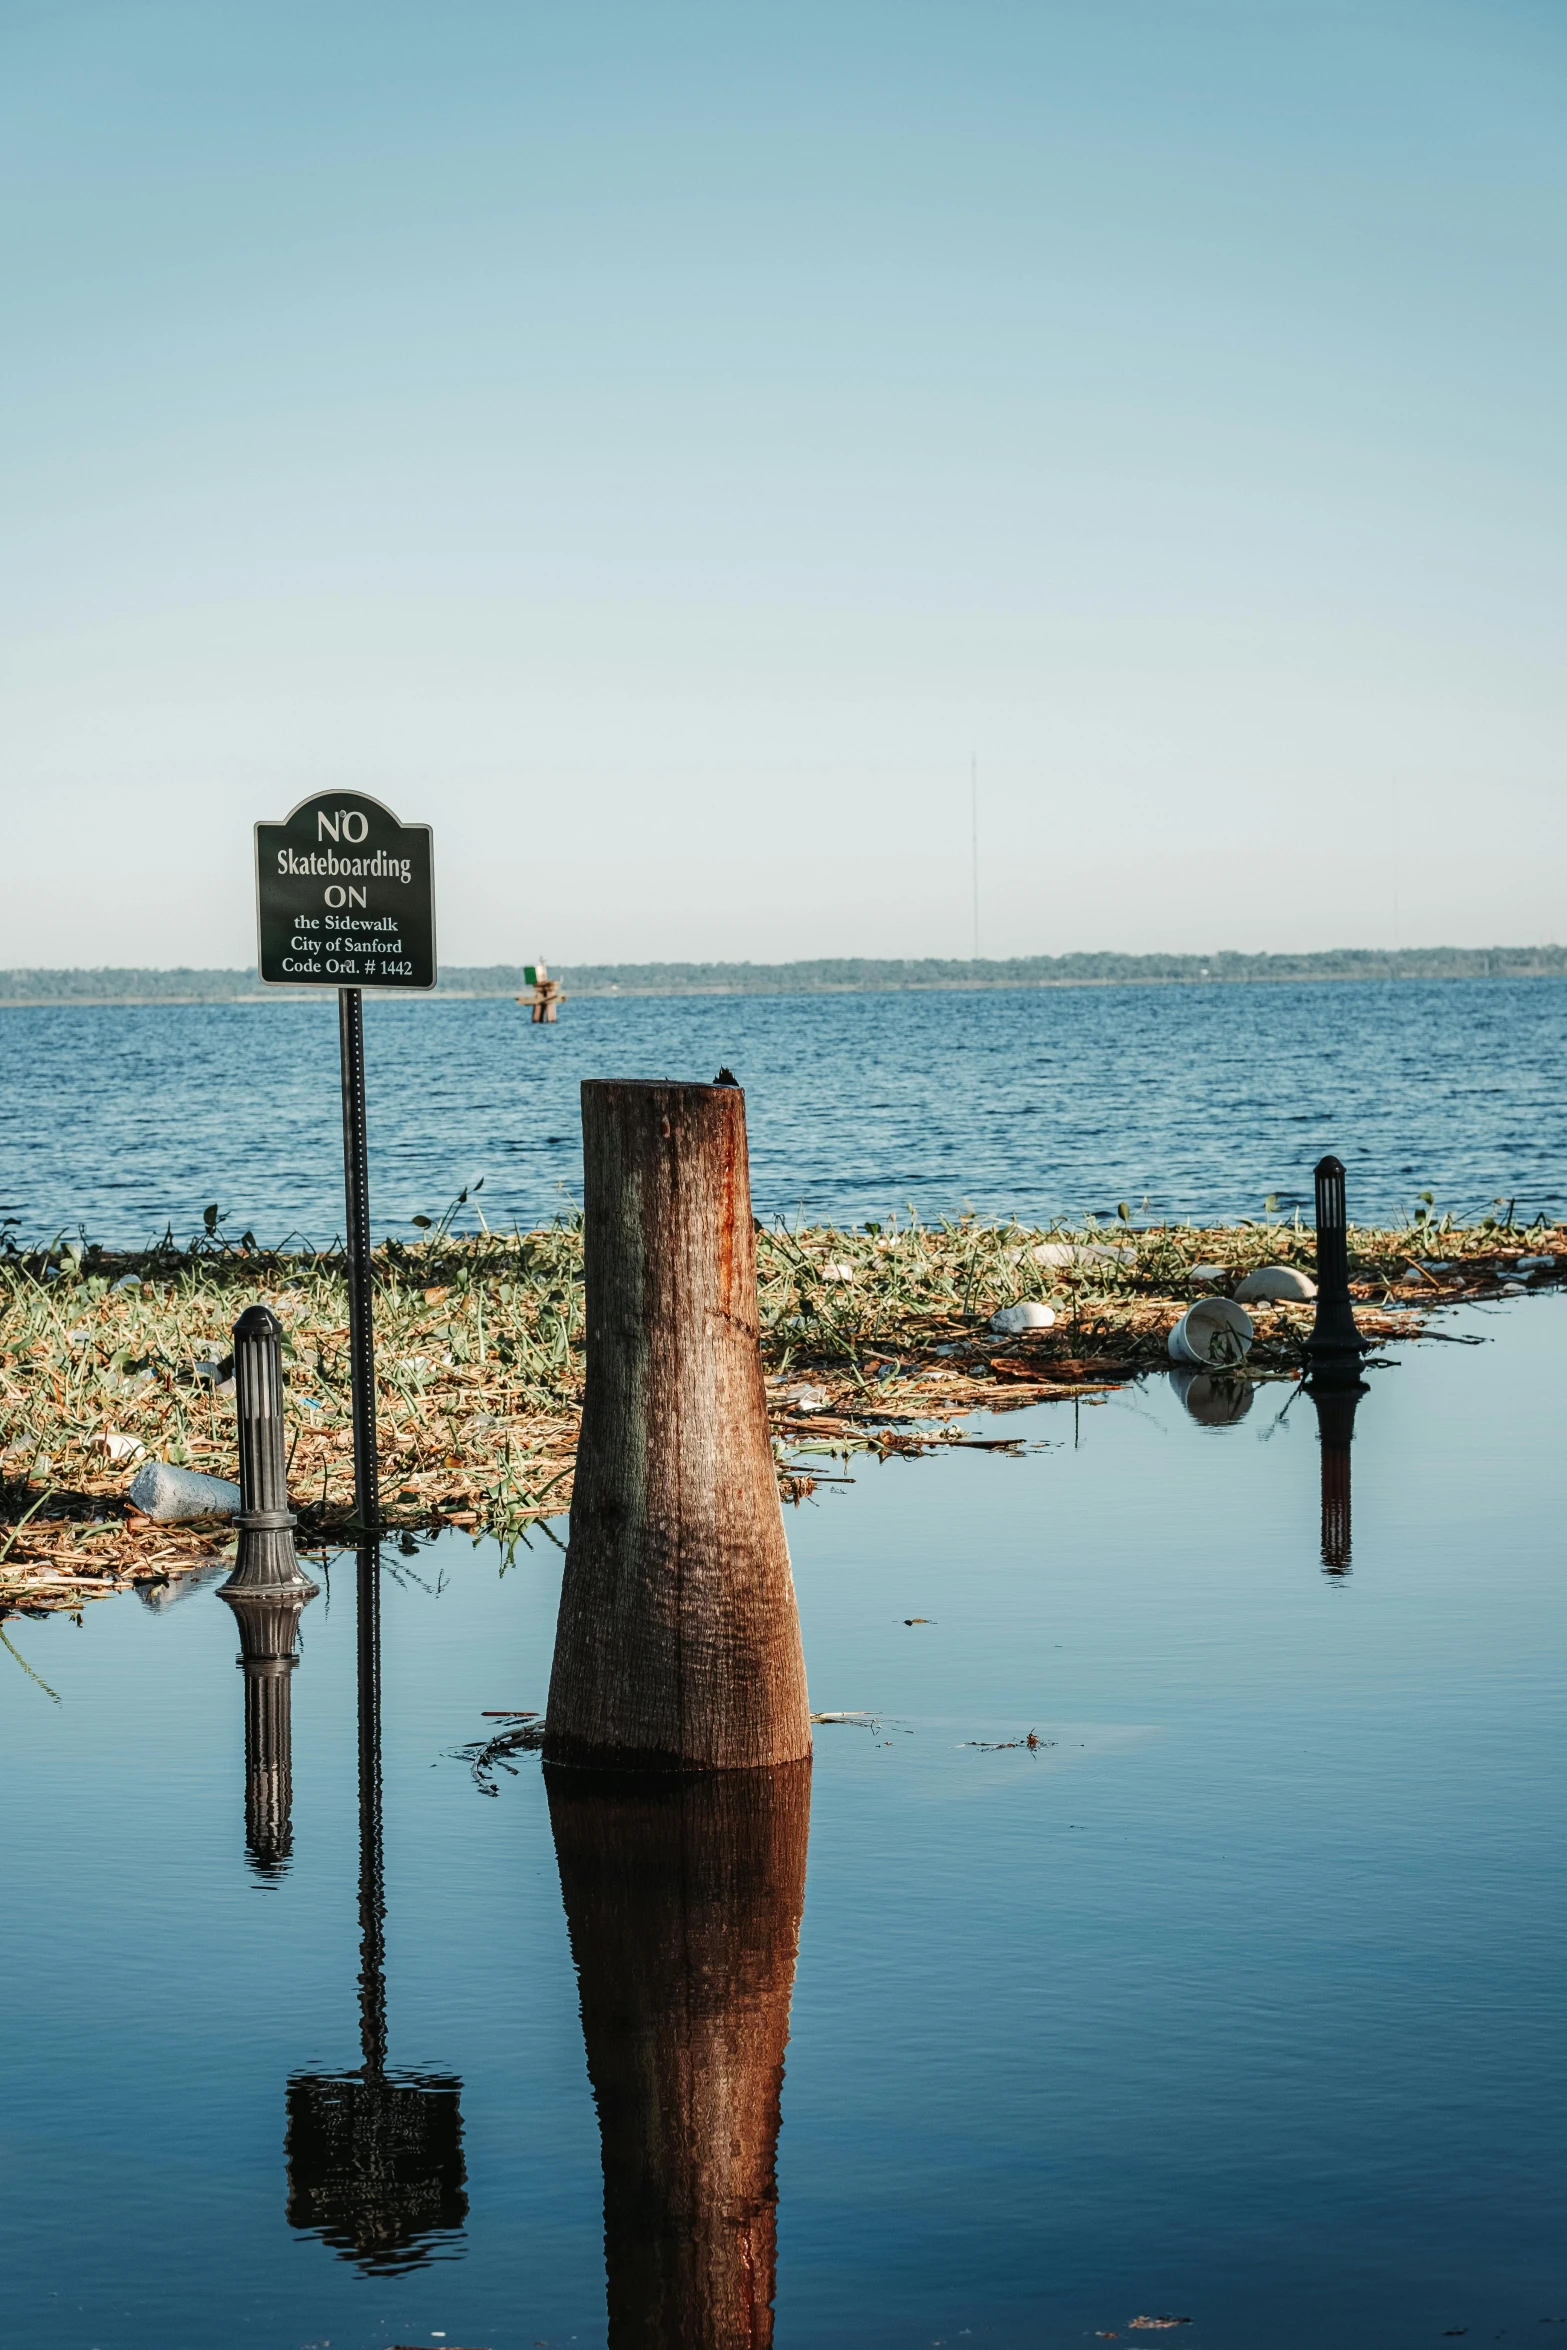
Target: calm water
(1238, 2000)
(1043, 1101)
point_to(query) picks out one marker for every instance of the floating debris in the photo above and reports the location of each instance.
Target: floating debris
(1273, 1284)
(1029, 1315)
(486, 1756)
(1215, 1332)
(480, 1358)
(170, 1495)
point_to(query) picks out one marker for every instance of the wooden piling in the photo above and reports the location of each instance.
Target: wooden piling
(678, 1640)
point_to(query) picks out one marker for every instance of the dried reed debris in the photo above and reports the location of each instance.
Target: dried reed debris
(875, 1339)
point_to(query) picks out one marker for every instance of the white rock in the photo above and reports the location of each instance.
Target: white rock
(161, 1491)
(1030, 1315)
(128, 1281)
(837, 1272)
(1067, 1252)
(1274, 1281)
(804, 1399)
(122, 1448)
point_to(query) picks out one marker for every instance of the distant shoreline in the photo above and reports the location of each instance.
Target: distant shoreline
(27, 990)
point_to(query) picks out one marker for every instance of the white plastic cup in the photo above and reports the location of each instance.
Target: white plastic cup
(1214, 1332)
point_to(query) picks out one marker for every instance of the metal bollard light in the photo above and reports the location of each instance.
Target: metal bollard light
(267, 1561)
(1333, 1334)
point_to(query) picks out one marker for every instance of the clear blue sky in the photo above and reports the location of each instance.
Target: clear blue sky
(661, 444)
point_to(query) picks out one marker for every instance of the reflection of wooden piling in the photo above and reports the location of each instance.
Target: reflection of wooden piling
(678, 1642)
(683, 1896)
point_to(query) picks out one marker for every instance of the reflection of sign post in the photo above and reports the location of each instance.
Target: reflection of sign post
(345, 898)
(375, 2159)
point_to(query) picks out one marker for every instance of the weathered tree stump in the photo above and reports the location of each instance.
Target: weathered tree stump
(678, 1641)
(683, 1897)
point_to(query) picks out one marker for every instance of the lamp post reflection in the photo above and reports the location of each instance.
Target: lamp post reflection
(267, 1590)
(683, 1897)
(268, 1630)
(1336, 1392)
(375, 2160)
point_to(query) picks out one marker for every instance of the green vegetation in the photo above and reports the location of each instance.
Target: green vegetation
(874, 1338)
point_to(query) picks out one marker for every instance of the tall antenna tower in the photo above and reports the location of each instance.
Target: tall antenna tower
(973, 790)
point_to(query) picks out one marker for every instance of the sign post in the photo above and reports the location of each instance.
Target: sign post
(345, 898)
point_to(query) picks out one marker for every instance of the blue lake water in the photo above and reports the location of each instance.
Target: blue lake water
(1238, 1999)
(1186, 1101)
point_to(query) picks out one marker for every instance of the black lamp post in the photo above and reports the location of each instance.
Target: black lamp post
(267, 1560)
(1334, 1337)
(1334, 1350)
(268, 1589)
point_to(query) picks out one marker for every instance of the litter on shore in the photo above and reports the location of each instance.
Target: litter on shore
(882, 1339)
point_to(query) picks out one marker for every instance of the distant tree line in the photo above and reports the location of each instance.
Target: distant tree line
(849, 975)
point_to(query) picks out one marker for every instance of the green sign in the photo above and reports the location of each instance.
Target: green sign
(345, 897)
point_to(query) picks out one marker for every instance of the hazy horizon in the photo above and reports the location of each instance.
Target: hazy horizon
(131, 984)
(663, 449)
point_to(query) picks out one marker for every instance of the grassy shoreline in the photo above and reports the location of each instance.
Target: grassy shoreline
(874, 1339)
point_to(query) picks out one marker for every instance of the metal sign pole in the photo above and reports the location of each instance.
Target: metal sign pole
(372, 1888)
(345, 898)
(361, 1327)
